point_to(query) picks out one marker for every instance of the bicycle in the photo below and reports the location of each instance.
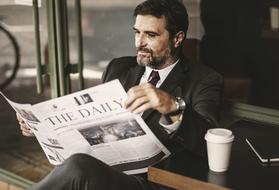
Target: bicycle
(9, 56)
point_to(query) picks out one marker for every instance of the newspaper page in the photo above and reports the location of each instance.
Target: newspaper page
(93, 121)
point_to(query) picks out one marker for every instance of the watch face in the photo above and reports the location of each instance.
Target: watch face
(180, 104)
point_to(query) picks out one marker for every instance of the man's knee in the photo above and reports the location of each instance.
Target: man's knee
(78, 160)
(85, 166)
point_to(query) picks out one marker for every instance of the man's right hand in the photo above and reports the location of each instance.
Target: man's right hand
(25, 130)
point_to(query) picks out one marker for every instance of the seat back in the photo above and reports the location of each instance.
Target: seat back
(191, 49)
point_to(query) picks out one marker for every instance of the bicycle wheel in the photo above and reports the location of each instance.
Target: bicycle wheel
(9, 57)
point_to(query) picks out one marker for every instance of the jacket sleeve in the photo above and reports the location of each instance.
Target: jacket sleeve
(201, 113)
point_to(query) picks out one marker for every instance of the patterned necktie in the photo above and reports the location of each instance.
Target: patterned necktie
(154, 77)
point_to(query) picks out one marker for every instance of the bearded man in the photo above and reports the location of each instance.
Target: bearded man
(177, 99)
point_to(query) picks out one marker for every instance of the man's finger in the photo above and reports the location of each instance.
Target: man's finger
(26, 131)
(27, 134)
(132, 96)
(138, 102)
(142, 108)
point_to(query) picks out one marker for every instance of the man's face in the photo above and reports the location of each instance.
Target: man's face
(152, 41)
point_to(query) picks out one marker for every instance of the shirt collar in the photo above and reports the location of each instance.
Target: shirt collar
(163, 73)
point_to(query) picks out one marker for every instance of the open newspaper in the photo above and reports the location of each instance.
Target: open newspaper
(93, 121)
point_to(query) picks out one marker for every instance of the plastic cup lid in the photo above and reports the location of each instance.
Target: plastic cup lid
(219, 135)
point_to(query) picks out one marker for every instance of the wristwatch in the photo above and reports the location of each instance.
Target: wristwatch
(180, 106)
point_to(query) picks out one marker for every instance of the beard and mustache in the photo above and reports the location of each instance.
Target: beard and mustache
(154, 61)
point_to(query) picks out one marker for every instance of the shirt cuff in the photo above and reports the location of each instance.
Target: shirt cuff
(170, 127)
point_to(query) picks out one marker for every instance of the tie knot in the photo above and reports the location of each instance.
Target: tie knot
(154, 77)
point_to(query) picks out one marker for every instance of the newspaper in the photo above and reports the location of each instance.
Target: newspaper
(93, 121)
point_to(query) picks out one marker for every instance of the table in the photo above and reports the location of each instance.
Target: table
(185, 170)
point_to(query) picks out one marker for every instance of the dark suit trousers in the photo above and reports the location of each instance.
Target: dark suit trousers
(83, 172)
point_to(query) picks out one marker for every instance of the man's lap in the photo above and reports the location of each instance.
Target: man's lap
(84, 172)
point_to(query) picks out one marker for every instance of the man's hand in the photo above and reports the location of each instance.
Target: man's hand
(25, 130)
(146, 96)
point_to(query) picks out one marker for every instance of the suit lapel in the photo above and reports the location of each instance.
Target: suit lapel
(133, 77)
(175, 77)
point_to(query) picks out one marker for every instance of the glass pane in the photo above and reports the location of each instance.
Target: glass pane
(107, 34)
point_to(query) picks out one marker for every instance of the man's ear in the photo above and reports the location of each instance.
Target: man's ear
(178, 39)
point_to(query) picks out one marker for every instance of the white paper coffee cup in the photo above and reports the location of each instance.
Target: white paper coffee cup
(219, 142)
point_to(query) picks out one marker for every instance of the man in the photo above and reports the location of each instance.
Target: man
(179, 101)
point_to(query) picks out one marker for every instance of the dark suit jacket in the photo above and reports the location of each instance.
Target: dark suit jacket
(201, 88)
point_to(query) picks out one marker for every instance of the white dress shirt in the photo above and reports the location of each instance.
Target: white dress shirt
(163, 73)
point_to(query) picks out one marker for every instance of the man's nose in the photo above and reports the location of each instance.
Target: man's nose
(140, 41)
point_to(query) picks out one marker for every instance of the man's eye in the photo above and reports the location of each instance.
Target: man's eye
(151, 35)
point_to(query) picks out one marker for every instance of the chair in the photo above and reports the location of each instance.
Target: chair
(191, 49)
